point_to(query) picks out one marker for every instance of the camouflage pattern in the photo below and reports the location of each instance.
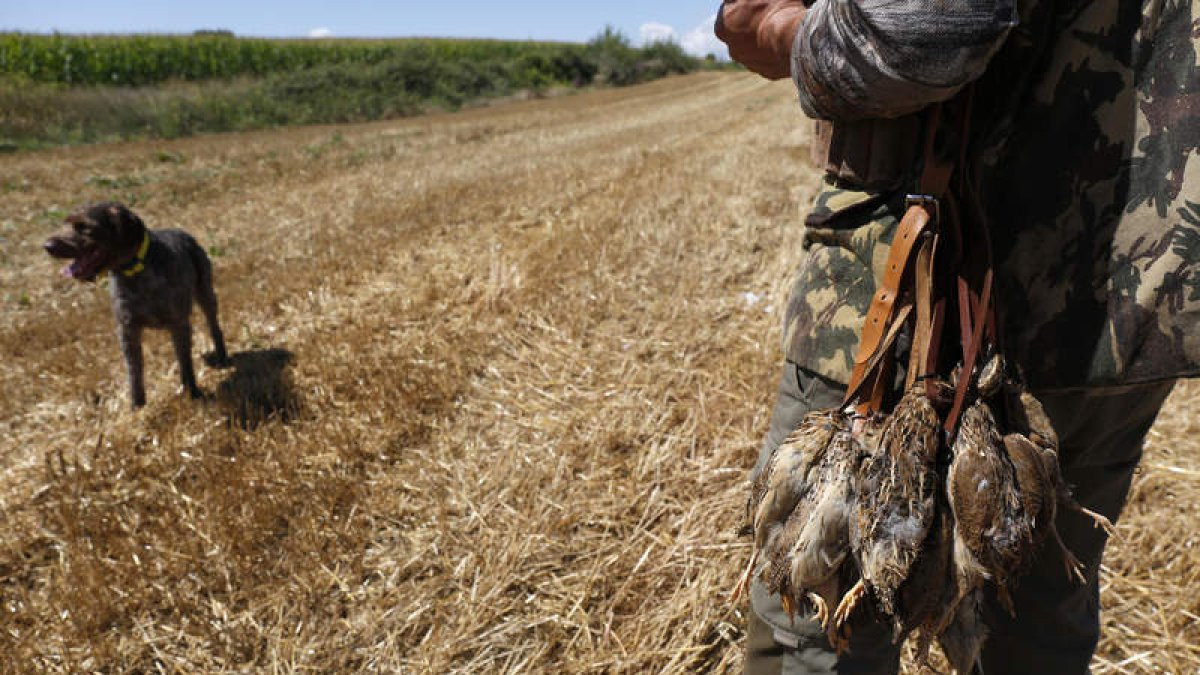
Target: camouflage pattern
(875, 59)
(1086, 135)
(847, 236)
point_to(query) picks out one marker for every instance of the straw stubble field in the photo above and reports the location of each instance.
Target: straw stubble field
(499, 377)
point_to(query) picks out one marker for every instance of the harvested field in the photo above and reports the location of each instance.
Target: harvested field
(499, 377)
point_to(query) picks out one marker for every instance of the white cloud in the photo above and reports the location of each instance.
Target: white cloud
(701, 40)
(657, 32)
(321, 32)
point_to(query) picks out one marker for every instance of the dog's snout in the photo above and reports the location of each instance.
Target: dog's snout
(59, 247)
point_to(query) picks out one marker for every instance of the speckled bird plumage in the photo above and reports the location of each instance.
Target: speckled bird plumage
(822, 546)
(1033, 447)
(800, 506)
(781, 482)
(992, 534)
(850, 509)
(930, 587)
(895, 503)
(1040, 497)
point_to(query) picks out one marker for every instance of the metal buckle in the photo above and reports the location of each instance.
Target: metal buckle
(930, 203)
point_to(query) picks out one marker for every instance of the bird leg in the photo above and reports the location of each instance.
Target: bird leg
(1074, 567)
(822, 608)
(743, 583)
(1097, 519)
(789, 606)
(848, 603)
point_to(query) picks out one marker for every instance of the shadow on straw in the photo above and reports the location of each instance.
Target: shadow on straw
(259, 389)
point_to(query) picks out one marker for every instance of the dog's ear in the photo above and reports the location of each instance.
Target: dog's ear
(79, 219)
(126, 228)
(134, 228)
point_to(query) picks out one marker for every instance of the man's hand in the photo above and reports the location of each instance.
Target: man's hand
(760, 33)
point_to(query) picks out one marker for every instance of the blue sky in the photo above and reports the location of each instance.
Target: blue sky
(688, 22)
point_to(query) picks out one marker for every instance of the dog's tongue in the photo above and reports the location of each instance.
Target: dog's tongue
(82, 268)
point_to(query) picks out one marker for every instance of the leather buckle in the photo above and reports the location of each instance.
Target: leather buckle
(931, 204)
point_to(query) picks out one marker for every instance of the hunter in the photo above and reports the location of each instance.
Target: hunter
(1083, 123)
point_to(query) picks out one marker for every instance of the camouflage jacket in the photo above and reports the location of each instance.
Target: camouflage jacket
(1084, 142)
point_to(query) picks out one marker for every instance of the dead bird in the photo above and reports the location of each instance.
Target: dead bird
(895, 504)
(822, 542)
(991, 376)
(780, 484)
(783, 481)
(801, 515)
(1040, 497)
(992, 535)
(1030, 421)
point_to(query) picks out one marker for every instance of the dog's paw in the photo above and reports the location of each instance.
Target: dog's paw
(215, 360)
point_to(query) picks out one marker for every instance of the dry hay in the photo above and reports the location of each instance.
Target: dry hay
(500, 377)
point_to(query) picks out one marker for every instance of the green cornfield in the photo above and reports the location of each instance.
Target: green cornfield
(69, 89)
(139, 60)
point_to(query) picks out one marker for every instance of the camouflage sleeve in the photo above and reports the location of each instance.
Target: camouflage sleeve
(859, 59)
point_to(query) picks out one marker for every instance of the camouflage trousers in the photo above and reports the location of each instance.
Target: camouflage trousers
(1057, 625)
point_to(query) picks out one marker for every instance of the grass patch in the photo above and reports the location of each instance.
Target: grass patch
(421, 77)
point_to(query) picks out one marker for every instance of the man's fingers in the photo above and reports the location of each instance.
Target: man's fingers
(769, 68)
(759, 33)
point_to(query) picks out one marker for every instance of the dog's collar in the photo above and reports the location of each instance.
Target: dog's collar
(135, 266)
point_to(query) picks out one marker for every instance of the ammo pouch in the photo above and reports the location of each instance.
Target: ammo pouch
(876, 154)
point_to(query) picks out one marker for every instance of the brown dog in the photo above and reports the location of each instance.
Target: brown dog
(156, 277)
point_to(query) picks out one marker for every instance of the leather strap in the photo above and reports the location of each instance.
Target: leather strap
(923, 324)
(871, 376)
(975, 316)
(877, 379)
(935, 175)
(871, 372)
(917, 220)
(935, 341)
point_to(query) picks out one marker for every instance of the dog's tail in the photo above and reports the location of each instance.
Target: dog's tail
(202, 265)
(206, 297)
